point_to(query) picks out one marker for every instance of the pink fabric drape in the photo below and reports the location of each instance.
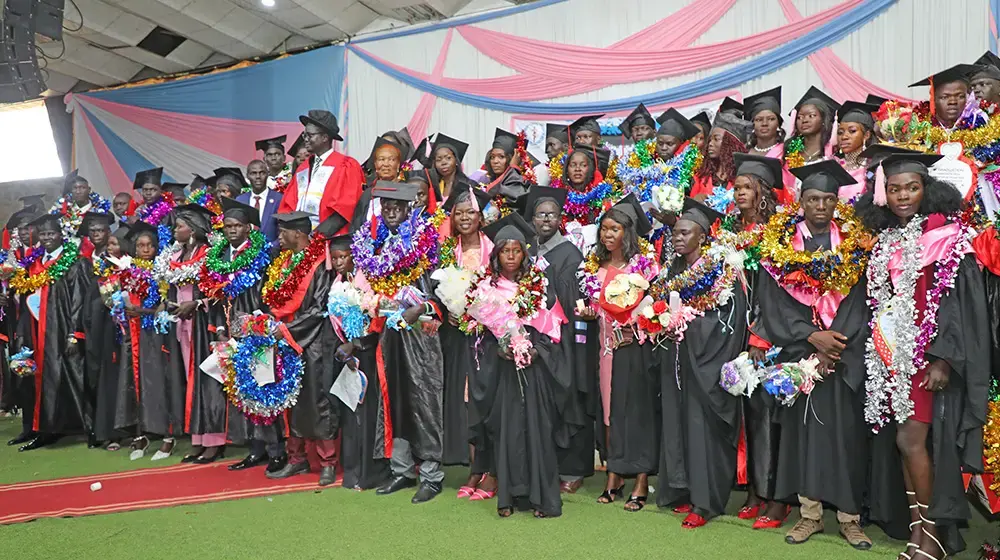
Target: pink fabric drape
(654, 109)
(422, 115)
(839, 80)
(118, 181)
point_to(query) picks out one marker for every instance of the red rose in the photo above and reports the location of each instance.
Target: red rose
(659, 307)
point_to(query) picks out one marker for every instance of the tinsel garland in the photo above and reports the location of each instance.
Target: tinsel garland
(288, 271)
(641, 171)
(155, 213)
(390, 262)
(345, 305)
(747, 240)
(816, 271)
(642, 263)
(722, 199)
(202, 198)
(556, 167)
(262, 404)
(102, 268)
(167, 273)
(70, 215)
(794, 147)
(888, 388)
(912, 126)
(228, 279)
(138, 280)
(991, 441)
(24, 282)
(30, 257)
(446, 253)
(283, 178)
(527, 171)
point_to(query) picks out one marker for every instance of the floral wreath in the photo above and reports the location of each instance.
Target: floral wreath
(288, 270)
(642, 263)
(347, 306)
(888, 387)
(23, 282)
(819, 272)
(71, 216)
(403, 257)
(228, 279)
(262, 404)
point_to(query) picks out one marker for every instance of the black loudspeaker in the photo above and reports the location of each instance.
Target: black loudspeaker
(20, 77)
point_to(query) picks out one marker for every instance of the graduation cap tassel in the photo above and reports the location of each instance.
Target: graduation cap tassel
(933, 104)
(879, 197)
(431, 197)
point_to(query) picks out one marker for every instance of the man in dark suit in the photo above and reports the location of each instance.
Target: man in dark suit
(261, 198)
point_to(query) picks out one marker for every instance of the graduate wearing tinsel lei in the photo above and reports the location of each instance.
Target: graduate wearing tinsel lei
(156, 204)
(588, 193)
(812, 303)
(80, 200)
(927, 356)
(394, 254)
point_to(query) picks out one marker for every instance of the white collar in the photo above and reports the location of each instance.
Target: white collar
(55, 254)
(322, 158)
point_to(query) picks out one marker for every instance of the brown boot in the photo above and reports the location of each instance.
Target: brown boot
(855, 535)
(804, 529)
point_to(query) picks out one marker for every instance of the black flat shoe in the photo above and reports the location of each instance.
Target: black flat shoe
(327, 476)
(289, 470)
(277, 463)
(39, 442)
(23, 437)
(249, 462)
(426, 492)
(395, 485)
(202, 460)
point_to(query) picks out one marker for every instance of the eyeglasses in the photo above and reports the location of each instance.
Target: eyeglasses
(546, 215)
(306, 134)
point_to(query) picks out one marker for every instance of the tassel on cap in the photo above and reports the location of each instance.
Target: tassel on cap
(880, 197)
(432, 204)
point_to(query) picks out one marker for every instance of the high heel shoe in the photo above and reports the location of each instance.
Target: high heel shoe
(765, 522)
(138, 452)
(609, 496)
(202, 460)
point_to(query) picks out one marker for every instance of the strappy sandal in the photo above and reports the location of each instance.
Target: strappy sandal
(918, 522)
(634, 501)
(693, 521)
(480, 495)
(539, 515)
(609, 496)
(467, 491)
(505, 512)
(138, 452)
(924, 521)
(750, 512)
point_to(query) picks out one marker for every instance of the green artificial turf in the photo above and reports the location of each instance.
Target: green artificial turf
(338, 523)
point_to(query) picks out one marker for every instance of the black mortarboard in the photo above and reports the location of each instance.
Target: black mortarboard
(121, 234)
(703, 119)
(873, 99)
(328, 228)
(341, 242)
(733, 125)
(394, 191)
(91, 217)
(730, 105)
(297, 145)
(640, 115)
(629, 205)
(198, 182)
(31, 199)
(603, 159)
(457, 147)
(420, 153)
(769, 100)
(957, 73)
(534, 162)
(71, 178)
(25, 215)
(149, 176)
(234, 172)
(557, 131)
(909, 163)
(989, 58)
(137, 229)
(825, 176)
(510, 228)
(700, 214)
(988, 66)
(277, 141)
(505, 141)
(323, 119)
(196, 215)
(587, 122)
(539, 194)
(176, 189)
(298, 221)
(815, 96)
(245, 213)
(768, 169)
(673, 123)
(405, 142)
(856, 112)
(876, 153)
(482, 198)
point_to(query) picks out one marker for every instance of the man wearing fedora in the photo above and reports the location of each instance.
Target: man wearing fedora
(328, 182)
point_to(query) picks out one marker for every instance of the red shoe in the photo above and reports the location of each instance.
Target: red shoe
(465, 492)
(693, 521)
(686, 508)
(480, 495)
(765, 522)
(749, 512)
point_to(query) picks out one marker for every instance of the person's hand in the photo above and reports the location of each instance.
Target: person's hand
(829, 343)
(505, 353)
(757, 355)
(628, 337)
(186, 309)
(664, 217)
(131, 310)
(412, 315)
(826, 365)
(344, 352)
(936, 376)
(700, 197)
(587, 313)
(453, 320)
(72, 346)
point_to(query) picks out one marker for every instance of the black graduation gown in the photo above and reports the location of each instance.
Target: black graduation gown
(362, 440)
(162, 383)
(634, 443)
(956, 437)
(822, 455)
(458, 351)
(10, 384)
(103, 354)
(579, 345)
(60, 395)
(701, 420)
(760, 414)
(316, 413)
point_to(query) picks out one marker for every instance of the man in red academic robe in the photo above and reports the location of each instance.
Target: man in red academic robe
(328, 182)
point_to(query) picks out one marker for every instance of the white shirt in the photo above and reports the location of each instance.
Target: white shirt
(311, 194)
(53, 255)
(263, 196)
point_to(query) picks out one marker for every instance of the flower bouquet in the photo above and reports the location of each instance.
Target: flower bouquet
(21, 363)
(669, 198)
(789, 380)
(621, 293)
(453, 285)
(346, 309)
(740, 376)
(660, 319)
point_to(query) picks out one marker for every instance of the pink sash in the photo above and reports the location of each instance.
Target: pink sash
(824, 306)
(936, 243)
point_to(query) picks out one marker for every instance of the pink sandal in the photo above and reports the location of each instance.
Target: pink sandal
(465, 491)
(480, 495)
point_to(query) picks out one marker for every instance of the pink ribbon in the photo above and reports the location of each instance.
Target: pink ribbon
(550, 321)
(824, 306)
(936, 243)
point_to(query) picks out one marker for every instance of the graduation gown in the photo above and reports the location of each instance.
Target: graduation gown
(362, 439)
(634, 443)
(760, 413)
(60, 405)
(822, 455)
(102, 359)
(956, 438)
(315, 414)
(10, 384)
(579, 346)
(344, 181)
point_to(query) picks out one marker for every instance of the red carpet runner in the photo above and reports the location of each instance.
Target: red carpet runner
(142, 489)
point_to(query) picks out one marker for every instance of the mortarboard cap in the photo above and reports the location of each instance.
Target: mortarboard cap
(557, 131)
(629, 205)
(730, 105)
(957, 73)
(91, 218)
(988, 66)
(700, 214)
(196, 215)
(586, 122)
(857, 112)
(341, 242)
(298, 221)
(420, 153)
(176, 189)
(72, 177)
(673, 123)
(23, 216)
(139, 228)
(457, 147)
(768, 169)
(297, 145)
(909, 163)
(328, 228)
(873, 99)
(639, 116)
(234, 172)
(539, 194)
(505, 141)
(277, 141)
(394, 191)
(702, 119)
(825, 176)
(30, 200)
(405, 142)
(876, 153)
(482, 198)
(231, 208)
(510, 228)
(148, 177)
(769, 100)
(603, 159)
(733, 125)
(815, 96)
